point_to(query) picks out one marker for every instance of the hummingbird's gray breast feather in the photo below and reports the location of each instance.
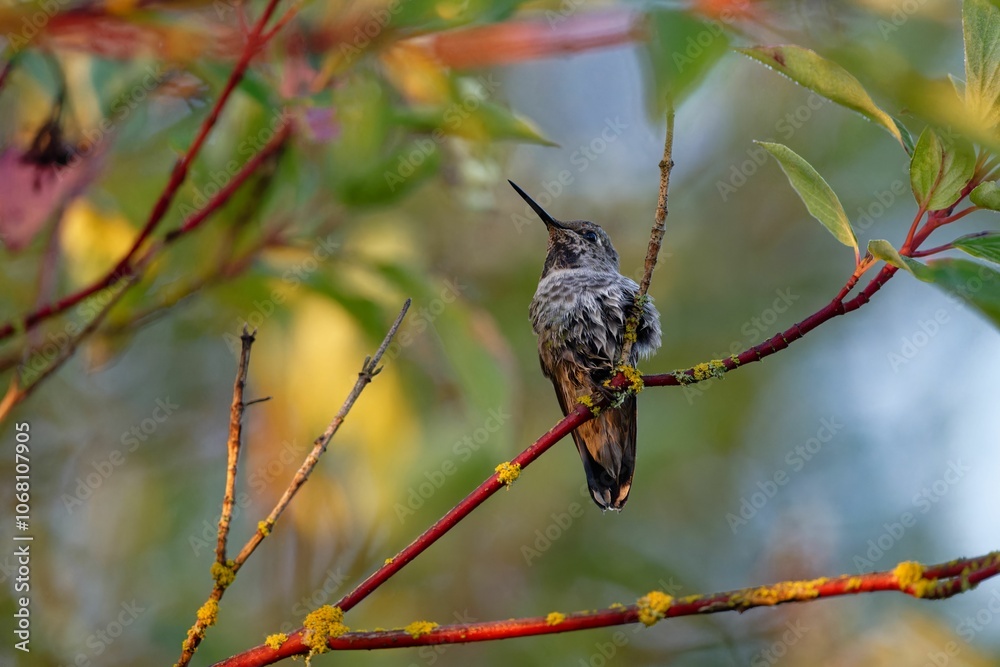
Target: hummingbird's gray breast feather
(579, 315)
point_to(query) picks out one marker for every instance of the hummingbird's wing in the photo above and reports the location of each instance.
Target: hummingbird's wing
(606, 443)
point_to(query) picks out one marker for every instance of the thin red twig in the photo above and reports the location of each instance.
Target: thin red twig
(956, 216)
(947, 246)
(224, 573)
(836, 307)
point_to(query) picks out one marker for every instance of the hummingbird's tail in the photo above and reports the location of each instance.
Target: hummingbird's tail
(606, 443)
(607, 448)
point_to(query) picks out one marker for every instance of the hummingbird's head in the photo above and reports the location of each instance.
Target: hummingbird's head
(574, 244)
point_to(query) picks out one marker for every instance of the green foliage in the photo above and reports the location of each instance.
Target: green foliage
(882, 249)
(469, 113)
(986, 195)
(368, 203)
(807, 68)
(428, 15)
(972, 283)
(939, 170)
(986, 246)
(981, 28)
(815, 192)
(681, 50)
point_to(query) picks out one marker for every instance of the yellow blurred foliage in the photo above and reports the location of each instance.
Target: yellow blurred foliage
(913, 638)
(310, 373)
(92, 241)
(416, 74)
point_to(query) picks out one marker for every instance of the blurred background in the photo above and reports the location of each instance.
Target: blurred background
(408, 118)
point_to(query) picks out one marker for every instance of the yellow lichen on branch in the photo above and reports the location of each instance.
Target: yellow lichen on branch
(910, 575)
(555, 618)
(630, 373)
(653, 606)
(418, 628)
(223, 574)
(716, 368)
(784, 591)
(507, 472)
(208, 613)
(322, 624)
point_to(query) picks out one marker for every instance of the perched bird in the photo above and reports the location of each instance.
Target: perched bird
(578, 313)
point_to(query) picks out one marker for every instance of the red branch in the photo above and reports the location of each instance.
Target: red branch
(126, 265)
(933, 582)
(493, 484)
(774, 344)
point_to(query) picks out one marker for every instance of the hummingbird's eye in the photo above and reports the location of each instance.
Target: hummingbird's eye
(590, 236)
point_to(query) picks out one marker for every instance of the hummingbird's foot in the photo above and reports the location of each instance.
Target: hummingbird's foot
(618, 395)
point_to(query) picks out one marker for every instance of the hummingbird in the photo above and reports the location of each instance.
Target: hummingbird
(578, 314)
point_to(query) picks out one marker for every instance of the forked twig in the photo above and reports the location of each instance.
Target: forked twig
(224, 571)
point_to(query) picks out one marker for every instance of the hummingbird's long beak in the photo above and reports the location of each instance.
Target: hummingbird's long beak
(546, 218)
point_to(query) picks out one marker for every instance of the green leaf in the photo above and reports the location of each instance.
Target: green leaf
(365, 121)
(471, 115)
(986, 195)
(970, 282)
(365, 164)
(981, 29)
(939, 170)
(394, 176)
(815, 192)
(425, 16)
(925, 165)
(493, 121)
(882, 249)
(680, 51)
(905, 136)
(808, 68)
(986, 246)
